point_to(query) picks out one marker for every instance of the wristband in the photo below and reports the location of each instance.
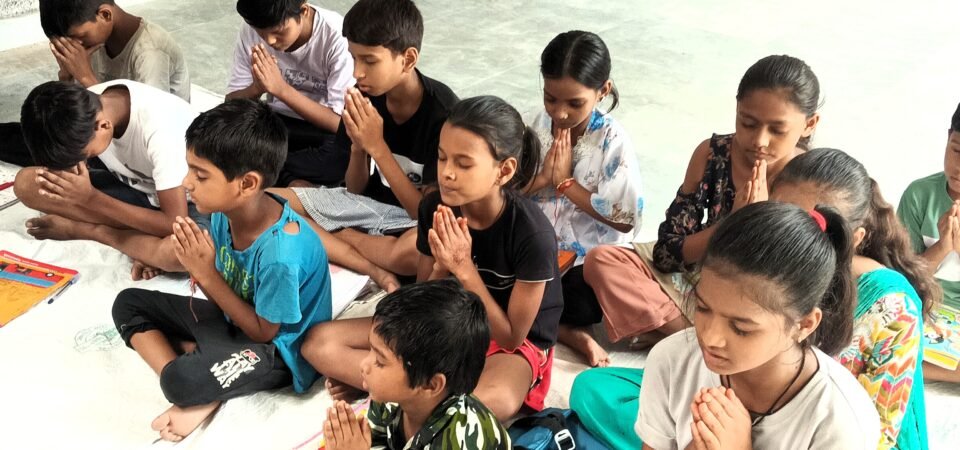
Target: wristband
(565, 184)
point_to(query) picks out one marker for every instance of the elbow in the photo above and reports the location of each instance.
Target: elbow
(622, 227)
(510, 344)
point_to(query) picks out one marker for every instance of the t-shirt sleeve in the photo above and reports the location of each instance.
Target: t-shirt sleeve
(656, 425)
(153, 67)
(339, 75)
(167, 153)
(277, 298)
(428, 205)
(911, 216)
(241, 76)
(618, 191)
(537, 257)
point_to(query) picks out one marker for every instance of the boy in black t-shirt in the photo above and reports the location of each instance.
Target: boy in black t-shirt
(391, 124)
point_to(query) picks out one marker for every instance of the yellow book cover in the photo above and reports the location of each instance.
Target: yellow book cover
(942, 338)
(25, 282)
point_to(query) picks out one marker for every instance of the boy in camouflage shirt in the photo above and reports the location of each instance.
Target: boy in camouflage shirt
(427, 350)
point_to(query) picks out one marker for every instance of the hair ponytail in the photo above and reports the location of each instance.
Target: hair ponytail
(836, 326)
(887, 242)
(810, 267)
(501, 126)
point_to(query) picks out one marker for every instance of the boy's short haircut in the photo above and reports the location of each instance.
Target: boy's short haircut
(265, 14)
(58, 16)
(58, 121)
(394, 24)
(240, 136)
(955, 121)
(436, 327)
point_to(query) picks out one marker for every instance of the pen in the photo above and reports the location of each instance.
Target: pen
(5, 185)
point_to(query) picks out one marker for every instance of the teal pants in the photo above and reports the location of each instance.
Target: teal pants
(607, 401)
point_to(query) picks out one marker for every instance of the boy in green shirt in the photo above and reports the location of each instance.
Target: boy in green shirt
(930, 211)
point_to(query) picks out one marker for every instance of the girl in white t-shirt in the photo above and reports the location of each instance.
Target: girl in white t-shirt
(589, 183)
(774, 298)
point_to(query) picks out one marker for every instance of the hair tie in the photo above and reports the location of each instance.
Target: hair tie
(819, 219)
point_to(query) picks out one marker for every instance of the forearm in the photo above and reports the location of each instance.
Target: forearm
(537, 183)
(935, 254)
(318, 115)
(581, 197)
(695, 245)
(408, 194)
(358, 171)
(240, 312)
(149, 221)
(501, 330)
(250, 92)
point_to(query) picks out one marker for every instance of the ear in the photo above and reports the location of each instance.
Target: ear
(811, 124)
(251, 183)
(858, 236)
(102, 125)
(411, 56)
(809, 323)
(437, 386)
(105, 13)
(606, 89)
(508, 168)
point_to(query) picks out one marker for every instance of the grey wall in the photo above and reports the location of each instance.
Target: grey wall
(13, 8)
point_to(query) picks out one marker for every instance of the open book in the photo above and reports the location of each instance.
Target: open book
(25, 282)
(941, 338)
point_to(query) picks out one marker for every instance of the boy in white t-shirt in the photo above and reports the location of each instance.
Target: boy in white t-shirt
(133, 136)
(296, 54)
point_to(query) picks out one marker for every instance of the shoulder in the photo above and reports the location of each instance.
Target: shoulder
(527, 218)
(329, 24)
(438, 93)
(843, 399)
(922, 187)
(702, 155)
(153, 36)
(678, 352)
(428, 204)
(467, 414)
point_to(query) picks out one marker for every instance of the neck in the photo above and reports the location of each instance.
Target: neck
(250, 219)
(578, 131)
(116, 108)
(759, 387)
(306, 31)
(484, 212)
(125, 26)
(407, 92)
(416, 412)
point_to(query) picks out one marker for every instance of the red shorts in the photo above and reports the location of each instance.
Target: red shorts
(541, 361)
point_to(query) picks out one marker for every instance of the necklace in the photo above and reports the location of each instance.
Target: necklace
(725, 381)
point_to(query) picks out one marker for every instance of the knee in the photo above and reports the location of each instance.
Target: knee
(598, 261)
(499, 401)
(320, 346)
(25, 186)
(586, 387)
(126, 305)
(180, 381)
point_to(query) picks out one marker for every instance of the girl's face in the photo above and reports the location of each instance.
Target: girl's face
(736, 334)
(570, 103)
(769, 126)
(466, 169)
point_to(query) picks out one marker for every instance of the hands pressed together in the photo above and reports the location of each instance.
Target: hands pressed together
(74, 60)
(949, 228)
(755, 190)
(71, 186)
(343, 430)
(363, 123)
(720, 421)
(194, 249)
(450, 243)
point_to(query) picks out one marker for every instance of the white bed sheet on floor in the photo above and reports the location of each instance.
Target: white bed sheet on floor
(67, 381)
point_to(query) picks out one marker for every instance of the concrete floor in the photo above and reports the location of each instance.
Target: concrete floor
(888, 73)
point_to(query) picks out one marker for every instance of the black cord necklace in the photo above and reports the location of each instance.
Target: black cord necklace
(725, 381)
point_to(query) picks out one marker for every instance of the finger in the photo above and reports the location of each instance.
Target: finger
(450, 223)
(695, 409)
(748, 191)
(710, 440)
(348, 122)
(336, 425)
(82, 169)
(436, 247)
(708, 417)
(49, 186)
(181, 234)
(354, 421)
(328, 433)
(734, 405)
(714, 401)
(345, 419)
(698, 442)
(177, 246)
(193, 240)
(439, 227)
(356, 102)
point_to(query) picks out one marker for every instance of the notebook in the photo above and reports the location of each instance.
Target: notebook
(7, 174)
(25, 282)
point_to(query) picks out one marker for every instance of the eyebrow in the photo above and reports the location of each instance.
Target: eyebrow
(746, 320)
(748, 116)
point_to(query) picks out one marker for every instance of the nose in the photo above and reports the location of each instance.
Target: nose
(186, 183)
(365, 365)
(272, 41)
(761, 139)
(358, 73)
(709, 333)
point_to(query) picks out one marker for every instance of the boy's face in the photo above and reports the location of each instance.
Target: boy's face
(376, 68)
(383, 374)
(94, 32)
(951, 162)
(282, 36)
(208, 186)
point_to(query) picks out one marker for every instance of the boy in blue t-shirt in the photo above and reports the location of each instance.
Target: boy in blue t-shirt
(261, 266)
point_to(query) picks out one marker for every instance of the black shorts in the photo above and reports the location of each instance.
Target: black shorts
(225, 364)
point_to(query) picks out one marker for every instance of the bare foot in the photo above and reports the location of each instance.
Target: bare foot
(386, 280)
(342, 391)
(301, 184)
(177, 423)
(52, 227)
(141, 271)
(580, 340)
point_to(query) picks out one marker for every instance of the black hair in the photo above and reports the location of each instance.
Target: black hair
(58, 121)
(58, 16)
(784, 245)
(786, 74)
(436, 327)
(955, 120)
(264, 14)
(240, 136)
(582, 56)
(501, 126)
(394, 24)
(843, 182)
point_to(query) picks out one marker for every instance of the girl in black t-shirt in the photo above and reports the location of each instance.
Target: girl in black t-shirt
(498, 244)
